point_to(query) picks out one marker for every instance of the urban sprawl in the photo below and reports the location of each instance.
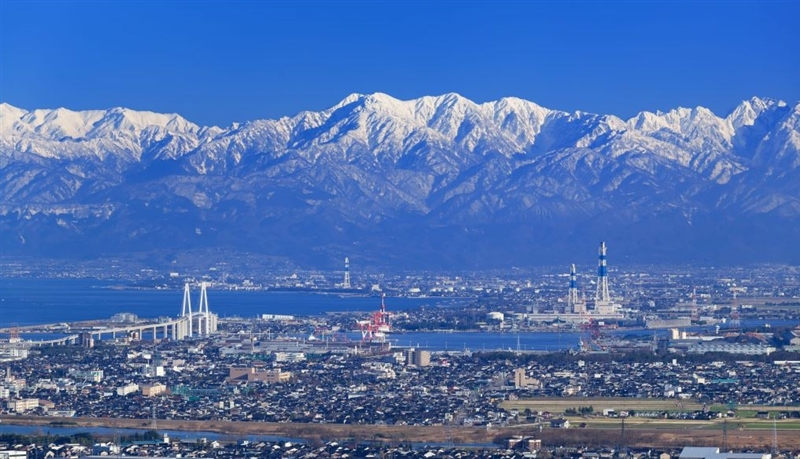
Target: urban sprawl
(689, 364)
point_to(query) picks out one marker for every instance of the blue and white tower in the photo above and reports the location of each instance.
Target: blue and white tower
(576, 306)
(573, 286)
(602, 296)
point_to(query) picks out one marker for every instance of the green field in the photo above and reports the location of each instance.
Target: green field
(598, 404)
(749, 411)
(558, 405)
(717, 424)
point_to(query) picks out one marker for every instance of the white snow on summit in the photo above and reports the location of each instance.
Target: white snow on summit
(746, 113)
(63, 133)
(446, 133)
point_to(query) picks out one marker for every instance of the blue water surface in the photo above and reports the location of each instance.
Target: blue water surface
(27, 301)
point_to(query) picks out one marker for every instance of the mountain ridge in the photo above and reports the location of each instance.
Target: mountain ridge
(434, 169)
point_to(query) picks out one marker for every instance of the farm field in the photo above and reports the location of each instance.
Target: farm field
(598, 404)
(598, 431)
(558, 405)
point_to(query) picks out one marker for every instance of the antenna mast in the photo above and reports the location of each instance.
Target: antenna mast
(346, 283)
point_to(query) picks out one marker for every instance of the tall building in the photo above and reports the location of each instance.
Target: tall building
(519, 377)
(521, 380)
(418, 357)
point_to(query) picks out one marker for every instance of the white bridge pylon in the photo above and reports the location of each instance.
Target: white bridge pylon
(187, 307)
(205, 321)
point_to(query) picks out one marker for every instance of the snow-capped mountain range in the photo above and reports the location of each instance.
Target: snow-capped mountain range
(434, 181)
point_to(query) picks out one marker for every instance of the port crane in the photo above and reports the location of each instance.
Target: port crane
(376, 328)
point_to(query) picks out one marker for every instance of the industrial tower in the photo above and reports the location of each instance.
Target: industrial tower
(735, 322)
(576, 305)
(602, 277)
(602, 299)
(346, 283)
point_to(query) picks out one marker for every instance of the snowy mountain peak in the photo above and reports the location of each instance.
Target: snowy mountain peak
(453, 98)
(432, 175)
(9, 110)
(748, 111)
(385, 103)
(682, 121)
(9, 114)
(517, 104)
(123, 118)
(118, 132)
(59, 123)
(352, 98)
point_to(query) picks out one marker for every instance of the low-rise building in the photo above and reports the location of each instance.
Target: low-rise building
(731, 348)
(291, 357)
(236, 373)
(127, 389)
(153, 390)
(695, 452)
(89, 375)
(529, 443)
(22, 405)
(559, 423)
(8, 354)
(521, 380)
(153, 371)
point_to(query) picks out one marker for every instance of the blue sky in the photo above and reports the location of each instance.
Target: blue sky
(219, 62)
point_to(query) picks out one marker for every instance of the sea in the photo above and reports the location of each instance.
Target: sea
(34, 301)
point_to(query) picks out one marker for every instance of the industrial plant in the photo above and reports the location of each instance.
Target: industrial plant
(603, 306)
